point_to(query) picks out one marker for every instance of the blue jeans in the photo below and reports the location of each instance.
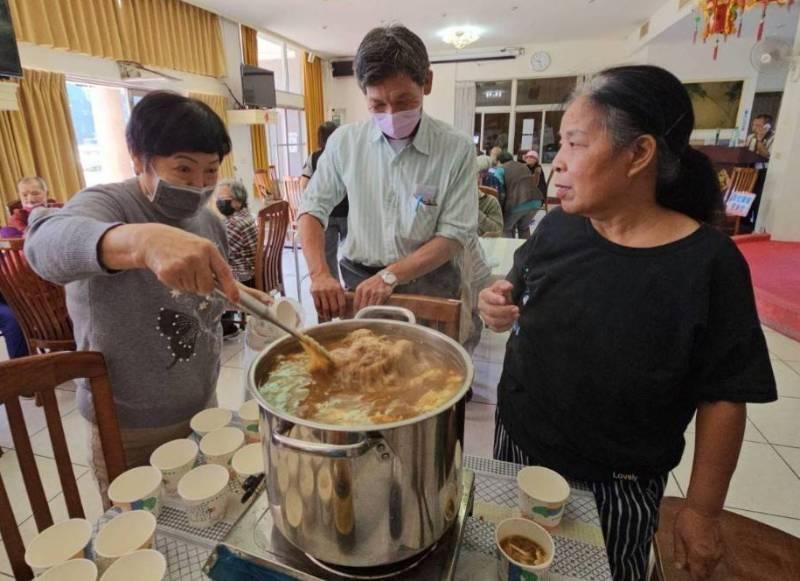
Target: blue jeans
(12, 333)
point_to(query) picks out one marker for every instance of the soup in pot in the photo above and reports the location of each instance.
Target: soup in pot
(376, 380)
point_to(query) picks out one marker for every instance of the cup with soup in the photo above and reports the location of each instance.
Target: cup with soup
(524, 550)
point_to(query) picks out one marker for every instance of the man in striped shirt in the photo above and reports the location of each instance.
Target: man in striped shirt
(410, 181)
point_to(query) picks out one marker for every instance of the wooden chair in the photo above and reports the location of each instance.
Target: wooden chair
(742, 179)
(40, 306)
(444, 315)
(41, 374)
(272, 223)
(292, 192)
(753, 551)
(490, 191)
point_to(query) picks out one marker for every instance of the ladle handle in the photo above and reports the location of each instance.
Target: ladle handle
(252, 306)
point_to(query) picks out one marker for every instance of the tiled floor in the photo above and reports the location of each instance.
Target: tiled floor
(765, 487)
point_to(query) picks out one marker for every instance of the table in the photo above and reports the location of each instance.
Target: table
(500, 254)
(580, 551)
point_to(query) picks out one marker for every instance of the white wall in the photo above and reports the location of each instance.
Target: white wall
(568, 58)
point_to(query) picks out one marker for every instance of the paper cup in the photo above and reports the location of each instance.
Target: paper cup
(73, 570)
(59, 543)
(137, 489)
(174, 459)
(510, 570)
(249, 414)
(543, 494)
(220, 445)
(124, 534)
(204, 491)
(147, 565)
(286, 312)
(247, 462)
(209, 420)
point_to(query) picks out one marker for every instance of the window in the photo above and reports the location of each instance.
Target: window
(99, 114)
(522, 114)
(270, 57)
(287, 142)
(284, 60)
(493, 94)
(545, 91)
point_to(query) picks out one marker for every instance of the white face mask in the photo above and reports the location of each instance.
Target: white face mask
(179, 202)
(398, 125)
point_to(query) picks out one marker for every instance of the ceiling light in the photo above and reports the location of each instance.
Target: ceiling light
(460, 37)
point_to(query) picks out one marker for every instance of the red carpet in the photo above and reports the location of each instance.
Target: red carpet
(775, 267)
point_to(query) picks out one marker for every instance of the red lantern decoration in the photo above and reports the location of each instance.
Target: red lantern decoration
(724, 17)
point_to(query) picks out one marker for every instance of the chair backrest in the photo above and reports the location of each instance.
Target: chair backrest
(489, 191)
(272, 223)
(743, 179)
(291, 190)
(40, 306)
(753, 551)
(444, 315)
(41, 374)
(264, 186)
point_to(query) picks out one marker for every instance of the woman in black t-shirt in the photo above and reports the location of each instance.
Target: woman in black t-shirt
(629, 313)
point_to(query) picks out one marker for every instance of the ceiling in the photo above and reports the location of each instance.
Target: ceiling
(335, 27)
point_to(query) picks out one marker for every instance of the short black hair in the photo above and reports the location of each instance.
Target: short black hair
(387, 51)
(505, 157)
(766, 117)
(324, 131)
(164, 123)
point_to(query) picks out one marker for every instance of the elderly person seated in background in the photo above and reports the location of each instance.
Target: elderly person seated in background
(240, 227)
(490, 216)
(32, 194)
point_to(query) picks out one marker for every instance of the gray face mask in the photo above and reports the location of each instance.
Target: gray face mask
(179, 202)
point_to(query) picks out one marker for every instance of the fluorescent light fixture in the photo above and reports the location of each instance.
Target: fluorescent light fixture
(461, 36)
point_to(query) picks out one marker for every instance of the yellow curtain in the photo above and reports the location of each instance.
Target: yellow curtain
(162, 33)
(314, 101)
(174, 35)
(43, 100)
(87, 26)
(16, 158)
(218, 104)
(258, 136)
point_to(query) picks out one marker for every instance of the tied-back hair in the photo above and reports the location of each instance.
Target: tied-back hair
(648, 100)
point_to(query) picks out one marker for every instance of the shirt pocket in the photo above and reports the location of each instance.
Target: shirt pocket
(420, 217)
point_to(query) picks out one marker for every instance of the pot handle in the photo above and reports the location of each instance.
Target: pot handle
(325, 450)
(375, 312)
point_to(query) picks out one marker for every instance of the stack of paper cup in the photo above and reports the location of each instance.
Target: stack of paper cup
(59, 543)
(146, 565)
(174, 459)
(249, 414)
(209, 420)
(73, 570)
(124, 534)
(204, 491)
(543, 493)
(137, 489)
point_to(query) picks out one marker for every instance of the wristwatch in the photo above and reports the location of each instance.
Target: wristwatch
(388, 277)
